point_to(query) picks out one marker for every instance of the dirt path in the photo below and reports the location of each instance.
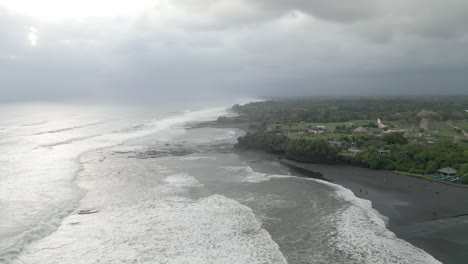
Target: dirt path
(455, 127)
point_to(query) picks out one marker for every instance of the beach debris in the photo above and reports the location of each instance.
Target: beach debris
(88, 211)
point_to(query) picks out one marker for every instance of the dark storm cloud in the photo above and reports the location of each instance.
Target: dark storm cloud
(227, 47)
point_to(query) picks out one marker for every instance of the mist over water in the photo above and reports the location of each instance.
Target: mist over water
(162, 192)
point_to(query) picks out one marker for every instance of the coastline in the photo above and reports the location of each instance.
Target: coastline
(428, 214)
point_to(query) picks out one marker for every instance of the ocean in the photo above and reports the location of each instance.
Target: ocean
(120, 183)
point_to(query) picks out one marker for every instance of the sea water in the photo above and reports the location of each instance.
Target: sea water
(161, 191)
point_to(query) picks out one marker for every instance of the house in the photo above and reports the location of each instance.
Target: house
(294, 133)
(354, 150)
(448, 171)
(320, 127)
(336, 143)
(316, 132)
(381, 151)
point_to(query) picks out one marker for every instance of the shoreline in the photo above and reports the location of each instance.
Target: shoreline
(430, 215)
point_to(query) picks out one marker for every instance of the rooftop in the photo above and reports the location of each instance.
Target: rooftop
(448, 170)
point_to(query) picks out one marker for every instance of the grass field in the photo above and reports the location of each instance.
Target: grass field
(441, 129)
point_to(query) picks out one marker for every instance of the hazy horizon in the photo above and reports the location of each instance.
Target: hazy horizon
(194, 50)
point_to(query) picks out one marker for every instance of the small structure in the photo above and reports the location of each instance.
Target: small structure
(448, 171)
(381, 125)
(336, 143)
(294, 133)
(381, 151)
(321, 127)
(354, 150)
(368, 130)
(361, 130)
(316, 132)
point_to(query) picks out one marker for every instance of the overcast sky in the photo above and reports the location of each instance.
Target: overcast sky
(142, 49)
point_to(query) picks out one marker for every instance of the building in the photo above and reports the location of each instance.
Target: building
(316, 132)
(381, 152)
(354, 150)
(336, 143)
(448, 171)
(381, 125)
(368, 130)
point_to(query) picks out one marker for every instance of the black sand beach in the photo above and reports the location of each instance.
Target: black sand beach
(430, 215)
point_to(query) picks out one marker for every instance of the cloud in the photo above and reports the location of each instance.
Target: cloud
(245, 47)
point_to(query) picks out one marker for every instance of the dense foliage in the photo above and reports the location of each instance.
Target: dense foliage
(316, 149)
(394, 138)
(290, 127)
(463, 172)
(307, 149)
(263, 140)
(414, 158)
(342, 110)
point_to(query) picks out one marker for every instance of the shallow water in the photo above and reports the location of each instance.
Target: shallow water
(163, 193)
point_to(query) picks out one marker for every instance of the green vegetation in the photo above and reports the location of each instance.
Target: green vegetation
(420, 136)
(464, 173)
(394, 138)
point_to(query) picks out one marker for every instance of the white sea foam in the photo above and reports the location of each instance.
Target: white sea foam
(361, 231)
(152, 222)
(191, 158)
(247, 174)
(211, 230)
(362, 234)
(37, 170)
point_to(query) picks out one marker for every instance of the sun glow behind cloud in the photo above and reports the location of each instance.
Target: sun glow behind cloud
(53, 10)
(32, 36)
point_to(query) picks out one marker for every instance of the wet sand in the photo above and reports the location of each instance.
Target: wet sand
(429, 215)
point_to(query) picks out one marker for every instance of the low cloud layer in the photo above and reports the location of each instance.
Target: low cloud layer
(238, 48)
